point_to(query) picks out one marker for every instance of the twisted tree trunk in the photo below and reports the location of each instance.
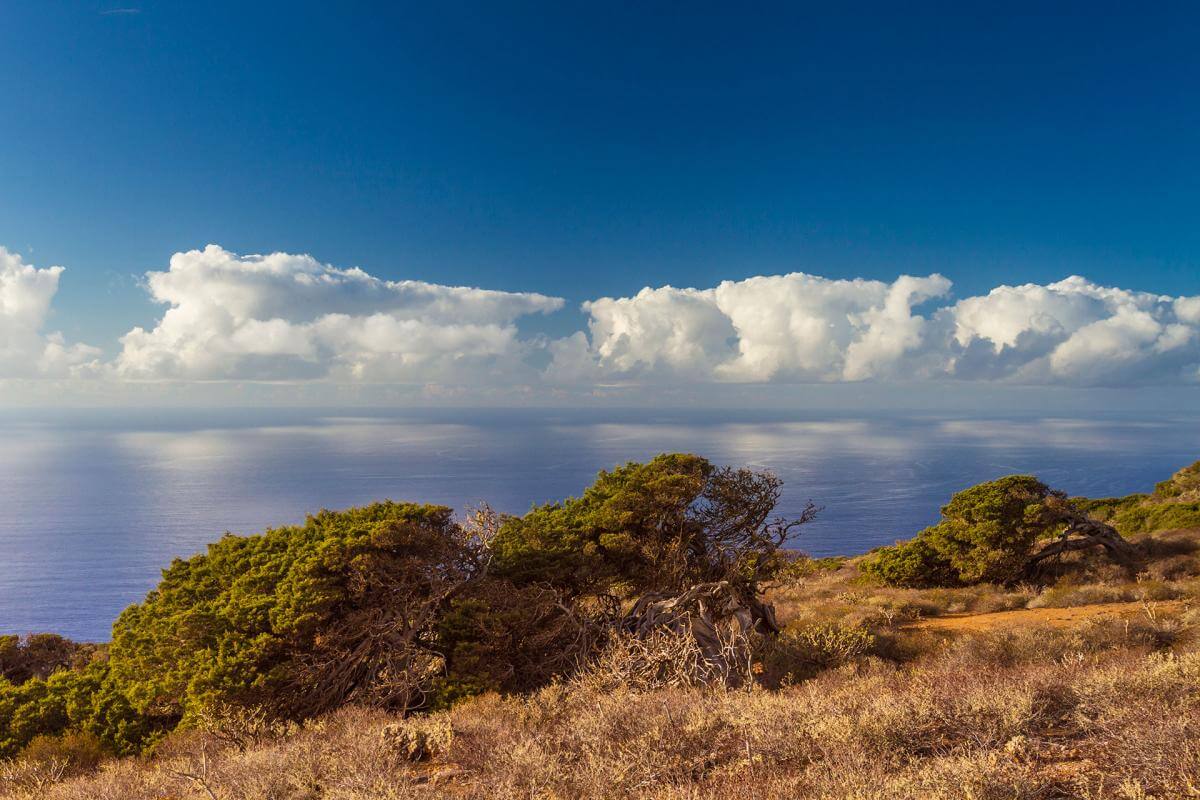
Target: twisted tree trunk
(1081, 532)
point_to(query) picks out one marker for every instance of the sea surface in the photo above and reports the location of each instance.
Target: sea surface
(94, 504)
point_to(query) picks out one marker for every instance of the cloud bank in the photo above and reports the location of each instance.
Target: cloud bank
(284, 317)
(804, 328)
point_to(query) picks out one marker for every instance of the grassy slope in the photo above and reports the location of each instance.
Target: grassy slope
(1102, 706)
(980, 692)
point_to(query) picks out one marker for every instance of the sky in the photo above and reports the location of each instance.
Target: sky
(519, 203)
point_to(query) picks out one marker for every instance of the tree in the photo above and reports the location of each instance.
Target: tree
(394, 605)
(304, 618)
(990, 533)
(662, 526)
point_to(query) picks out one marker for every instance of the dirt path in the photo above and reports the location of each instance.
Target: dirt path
(1054, 617)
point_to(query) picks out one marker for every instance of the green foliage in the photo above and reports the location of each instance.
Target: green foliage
(1106, 509)
(79, 700)
(658, 526)
(912, 564)
(985, 535)
(1148, 518)
(505, 638)
(1174, 504)
(620, 529)
(233, 624)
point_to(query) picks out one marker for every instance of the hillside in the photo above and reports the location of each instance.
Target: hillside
(1084, 685)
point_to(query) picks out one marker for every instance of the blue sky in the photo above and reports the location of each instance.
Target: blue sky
(587, 150)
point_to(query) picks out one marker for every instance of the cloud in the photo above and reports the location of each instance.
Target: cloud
(290, 317)
(804, 328)
(1075, 332)
(26, 293)
(795, 328)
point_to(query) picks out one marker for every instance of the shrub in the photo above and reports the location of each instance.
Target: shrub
(806, 650)
(1183, 484)
(38, 655)
(660, 526)
(913, 564)
(658, 660)
(985, 536)
(83, 699)
(298, 618)
(1148, 518)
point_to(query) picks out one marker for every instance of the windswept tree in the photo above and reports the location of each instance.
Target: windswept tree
(995, 532)
(687, 542)
(662, 526)
(304, 618)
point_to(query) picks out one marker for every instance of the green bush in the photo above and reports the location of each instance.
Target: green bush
(79, 700)
(1156, 517)
(1106, 508)
(256, 619)
(660, 526)
(1174, 504)
(985, 535)
(912, 564)
(1183, 484)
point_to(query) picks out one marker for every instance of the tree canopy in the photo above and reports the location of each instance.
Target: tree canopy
(990, 534)
(986, 534)
(660, 526)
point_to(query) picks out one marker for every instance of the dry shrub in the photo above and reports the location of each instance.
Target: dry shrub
(804, 651)
(419, 738)
(1173, 568)
(665, 658)
(78, 750)
(1108, 726)
(47, 760)
(21, 778)
(1068, 595)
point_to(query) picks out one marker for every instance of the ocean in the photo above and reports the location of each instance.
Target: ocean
(93, 504)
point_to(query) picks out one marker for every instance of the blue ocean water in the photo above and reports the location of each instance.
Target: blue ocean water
(94, 504)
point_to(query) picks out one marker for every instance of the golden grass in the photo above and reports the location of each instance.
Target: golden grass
(870, 705)
(1125, 724)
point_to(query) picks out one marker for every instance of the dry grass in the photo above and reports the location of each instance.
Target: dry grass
(966, 723)
(870, 705)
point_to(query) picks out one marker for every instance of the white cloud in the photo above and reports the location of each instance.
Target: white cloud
(25, 350)
(804, 328)
(283, 316)
(795, 327)
(1077, 333)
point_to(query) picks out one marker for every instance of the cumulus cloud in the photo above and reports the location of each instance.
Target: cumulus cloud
(795, 327)
(804, 328)
(1075, 332)
(283, 316)
(26, 293)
